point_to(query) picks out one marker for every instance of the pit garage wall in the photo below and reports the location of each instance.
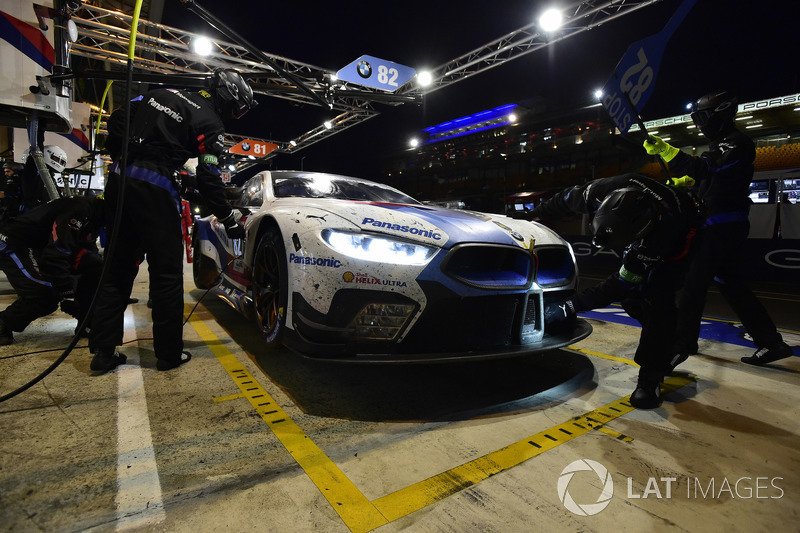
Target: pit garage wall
(765, 256)
(25, 53)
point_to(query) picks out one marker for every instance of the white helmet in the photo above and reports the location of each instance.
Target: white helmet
(55, 157)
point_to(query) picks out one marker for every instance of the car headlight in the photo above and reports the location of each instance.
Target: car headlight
(379, 249)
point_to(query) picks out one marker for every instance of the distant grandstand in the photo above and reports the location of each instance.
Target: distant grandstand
(483, 161)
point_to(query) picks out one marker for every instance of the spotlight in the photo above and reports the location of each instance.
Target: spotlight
(202, 46)
(424, 78)
(551, 20)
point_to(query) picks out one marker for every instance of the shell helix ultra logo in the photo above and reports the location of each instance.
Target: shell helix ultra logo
(585, 509)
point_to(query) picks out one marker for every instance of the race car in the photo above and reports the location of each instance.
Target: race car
(345, 268)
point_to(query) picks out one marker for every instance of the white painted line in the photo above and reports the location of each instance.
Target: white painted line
(138, 498)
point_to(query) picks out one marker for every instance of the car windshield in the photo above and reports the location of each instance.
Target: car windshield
(339, 187)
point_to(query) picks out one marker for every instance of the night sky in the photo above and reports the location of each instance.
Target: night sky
(745, 47)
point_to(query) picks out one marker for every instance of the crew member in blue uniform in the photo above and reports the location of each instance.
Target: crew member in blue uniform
(722, 177)
(167, 127)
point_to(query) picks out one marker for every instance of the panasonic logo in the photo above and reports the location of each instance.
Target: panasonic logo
(315, 261)
(405, 229)
(166, 110)
(179, 95)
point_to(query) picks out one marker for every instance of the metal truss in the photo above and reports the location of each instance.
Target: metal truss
(103, 36)
(578, 17)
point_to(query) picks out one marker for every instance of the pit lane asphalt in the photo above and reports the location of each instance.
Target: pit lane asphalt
(413, 448)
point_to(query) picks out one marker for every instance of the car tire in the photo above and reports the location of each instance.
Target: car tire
(205, 273)
(270, 286)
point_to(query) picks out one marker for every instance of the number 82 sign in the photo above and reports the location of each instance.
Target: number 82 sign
(376, 73)
(628, 90)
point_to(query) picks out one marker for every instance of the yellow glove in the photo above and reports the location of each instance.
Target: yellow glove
(655, 146)
(683, 181)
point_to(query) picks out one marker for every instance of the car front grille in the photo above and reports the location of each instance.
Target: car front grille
(490, 266)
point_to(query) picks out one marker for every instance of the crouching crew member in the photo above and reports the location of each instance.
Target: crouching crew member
(41, 253)
(651, 226)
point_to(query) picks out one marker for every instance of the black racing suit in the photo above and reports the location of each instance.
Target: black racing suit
(167, 128)
(42, 251)
(652, 268)
(723, 175)
(12, 196)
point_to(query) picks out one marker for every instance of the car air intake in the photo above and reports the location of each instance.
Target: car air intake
(555, 267)
(490, 266)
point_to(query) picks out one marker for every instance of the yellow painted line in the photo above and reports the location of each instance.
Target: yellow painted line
(352, 506)
(615, 434)
(602, 355)
(230, 397)
(438, 487)
(357, 512)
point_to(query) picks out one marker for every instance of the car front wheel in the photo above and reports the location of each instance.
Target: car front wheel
(270, 286)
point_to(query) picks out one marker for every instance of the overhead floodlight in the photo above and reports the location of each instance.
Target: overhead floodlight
(598, 94)
(328, 124)
(333, 76)
(413, 143)
(202, 46)
(424, 78)
(551, 20)
(292, 143)
(512, 117)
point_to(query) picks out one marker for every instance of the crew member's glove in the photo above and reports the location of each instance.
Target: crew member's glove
(655, 146)
(232, 228)
(683, 181)
(559, 316)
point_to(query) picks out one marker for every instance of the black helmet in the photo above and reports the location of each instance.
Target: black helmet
(625, 216)
(234, 94)
(713, 113)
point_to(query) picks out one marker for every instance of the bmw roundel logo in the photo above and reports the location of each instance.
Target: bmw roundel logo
(364, 69)
(246, 147)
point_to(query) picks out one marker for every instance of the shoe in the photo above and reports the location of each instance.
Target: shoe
(164, 364)
(70, 307)
(677, 359)
(762, 356)
(133, 301)
(106, 360)
(647, 395)
(6, 335)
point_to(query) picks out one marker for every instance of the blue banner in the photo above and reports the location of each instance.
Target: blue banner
(632, 84)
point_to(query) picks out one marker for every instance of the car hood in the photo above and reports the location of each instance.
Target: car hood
(436, 225)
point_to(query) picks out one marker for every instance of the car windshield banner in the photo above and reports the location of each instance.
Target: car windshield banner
(628, 90)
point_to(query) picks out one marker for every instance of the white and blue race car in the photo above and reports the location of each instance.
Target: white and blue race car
(340, 267)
